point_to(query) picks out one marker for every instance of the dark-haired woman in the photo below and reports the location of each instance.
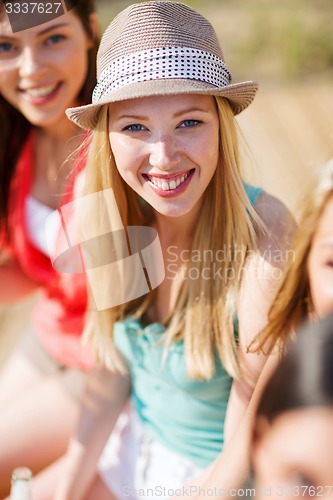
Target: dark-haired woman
(292, 450)
(43, 70)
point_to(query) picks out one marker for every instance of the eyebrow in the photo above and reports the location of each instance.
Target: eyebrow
(176, 115)
(190, 110)
(59, 25)
(40, 33)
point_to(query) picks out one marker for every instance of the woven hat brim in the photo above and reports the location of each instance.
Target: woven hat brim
(240, 96)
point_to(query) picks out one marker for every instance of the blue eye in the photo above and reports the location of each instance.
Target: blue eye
(54, 39)
(135, 127)
(189, 123)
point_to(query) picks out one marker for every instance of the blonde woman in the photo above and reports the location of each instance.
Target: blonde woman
(307, 287)
(164, 156)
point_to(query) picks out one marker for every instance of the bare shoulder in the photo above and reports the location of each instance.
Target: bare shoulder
(272, 210)
(262, 274)
(279, 221)
(260, 279)
(263, 269)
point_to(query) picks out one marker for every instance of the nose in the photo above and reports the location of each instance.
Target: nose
(165, 154)
(30, 64)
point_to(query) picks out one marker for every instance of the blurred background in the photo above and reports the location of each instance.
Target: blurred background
(287, 134)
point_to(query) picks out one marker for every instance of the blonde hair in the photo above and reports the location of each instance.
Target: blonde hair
(293, 303)
(205, 309)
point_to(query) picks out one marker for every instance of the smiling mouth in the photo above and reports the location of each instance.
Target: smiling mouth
(44, 91)
(170, 184)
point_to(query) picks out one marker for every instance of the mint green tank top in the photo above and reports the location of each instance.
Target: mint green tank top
(186, 415)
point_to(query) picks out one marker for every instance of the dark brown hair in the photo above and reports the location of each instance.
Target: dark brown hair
(15, 127)
(304, 377)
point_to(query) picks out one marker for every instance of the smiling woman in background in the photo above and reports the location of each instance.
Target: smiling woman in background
(43, 70)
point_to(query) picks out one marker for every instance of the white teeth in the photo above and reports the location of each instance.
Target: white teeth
(166, 186)
(41, 91)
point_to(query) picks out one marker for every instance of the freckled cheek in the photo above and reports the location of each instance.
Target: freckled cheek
(212, 162)
(214, 151)
(205, 154)
(129, 172)
(129, 160)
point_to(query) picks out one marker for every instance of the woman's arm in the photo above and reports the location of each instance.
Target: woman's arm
(261, 278)
(105, 396)
(260, 281)
(14, 284)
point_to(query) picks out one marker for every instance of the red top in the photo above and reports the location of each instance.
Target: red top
(59, 315)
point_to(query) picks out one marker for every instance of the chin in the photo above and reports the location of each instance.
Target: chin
(173, 212)
(43, 121)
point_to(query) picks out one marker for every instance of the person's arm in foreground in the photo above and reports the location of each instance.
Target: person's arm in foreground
(105, 397)
(259, 285)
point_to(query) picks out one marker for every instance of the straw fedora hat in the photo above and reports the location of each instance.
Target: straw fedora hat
(160, 48)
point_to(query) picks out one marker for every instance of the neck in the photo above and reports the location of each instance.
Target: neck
(60, 132)
(59, 141)
(53, 161)
(177, 230)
